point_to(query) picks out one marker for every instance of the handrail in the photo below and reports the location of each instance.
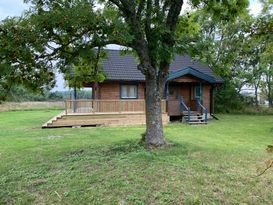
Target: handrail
(183, 105)
(99, 100)
(203, 108)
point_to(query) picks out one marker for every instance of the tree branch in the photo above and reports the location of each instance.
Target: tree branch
(173, 15)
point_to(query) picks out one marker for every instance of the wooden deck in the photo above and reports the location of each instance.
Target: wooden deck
(83, 113)
(102, 119)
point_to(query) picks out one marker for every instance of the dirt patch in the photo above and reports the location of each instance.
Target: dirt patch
(52, 137)
(76, 152)
(38, 182)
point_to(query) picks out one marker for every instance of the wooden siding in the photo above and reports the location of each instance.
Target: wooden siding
(174, 108)
(109, 91)
(187, 79)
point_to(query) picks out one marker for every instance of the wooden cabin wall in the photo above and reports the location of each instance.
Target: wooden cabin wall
(111, 90)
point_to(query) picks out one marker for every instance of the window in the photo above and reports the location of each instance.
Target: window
(128, 91)
(195, 92)
(171, 90)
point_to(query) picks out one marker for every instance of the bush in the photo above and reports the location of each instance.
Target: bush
(228, 99)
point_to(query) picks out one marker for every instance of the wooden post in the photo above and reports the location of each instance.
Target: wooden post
(201, 92)
(74, 99)
(119, 106)
(65, 104)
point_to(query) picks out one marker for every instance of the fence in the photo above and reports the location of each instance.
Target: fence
(107, 106)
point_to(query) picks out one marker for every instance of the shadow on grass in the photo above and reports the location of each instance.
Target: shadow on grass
(131, 149)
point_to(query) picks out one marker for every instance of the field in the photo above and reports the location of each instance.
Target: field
(214, 164)
(13, 106)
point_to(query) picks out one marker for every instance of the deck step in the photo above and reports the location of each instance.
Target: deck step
(196, 119)
(115, 119)
(198, 123)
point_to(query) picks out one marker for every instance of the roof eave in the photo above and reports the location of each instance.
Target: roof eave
(194, 72)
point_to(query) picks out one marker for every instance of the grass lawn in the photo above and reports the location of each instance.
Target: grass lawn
(212, 164)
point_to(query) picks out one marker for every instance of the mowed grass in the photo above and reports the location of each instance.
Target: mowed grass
(214, 164)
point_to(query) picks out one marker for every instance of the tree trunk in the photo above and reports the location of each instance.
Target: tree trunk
(269, 94)
(154, 126)
(256, 96)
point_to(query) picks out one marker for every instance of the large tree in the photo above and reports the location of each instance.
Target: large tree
(19, 61)
(149, 28)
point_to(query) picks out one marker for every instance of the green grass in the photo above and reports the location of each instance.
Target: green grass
(212, 164)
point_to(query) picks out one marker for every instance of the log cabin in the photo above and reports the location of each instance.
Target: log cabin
(188, 94)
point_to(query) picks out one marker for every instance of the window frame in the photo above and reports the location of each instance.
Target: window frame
(193, 92)
(128, 85)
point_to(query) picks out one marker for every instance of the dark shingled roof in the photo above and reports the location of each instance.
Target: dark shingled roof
(124, 67)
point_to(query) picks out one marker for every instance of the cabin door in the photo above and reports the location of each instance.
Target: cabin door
(194, 93)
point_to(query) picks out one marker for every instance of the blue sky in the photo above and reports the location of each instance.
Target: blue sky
(16, 8)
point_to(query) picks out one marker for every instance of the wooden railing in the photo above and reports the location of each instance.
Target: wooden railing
(202, 108)
(184, 107)
(107, 106)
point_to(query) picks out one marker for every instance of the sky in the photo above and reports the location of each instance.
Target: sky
(16, 8)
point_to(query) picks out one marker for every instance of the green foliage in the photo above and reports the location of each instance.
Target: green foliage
(223, 102)
(19, 62)
(21, 94)
(238, 49)
(86, 69)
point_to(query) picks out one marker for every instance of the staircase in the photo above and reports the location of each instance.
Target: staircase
(196, 118)
(199, 117)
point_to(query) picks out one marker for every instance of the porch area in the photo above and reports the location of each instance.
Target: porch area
(84, 113)
(189, 95)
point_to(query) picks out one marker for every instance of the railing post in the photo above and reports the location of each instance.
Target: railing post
(197, 103)
(206, 115)
(182, 108)
(144, 106)
(189, 115)
(92, 105)
(65, 104)
(74, 103)
(119, 106)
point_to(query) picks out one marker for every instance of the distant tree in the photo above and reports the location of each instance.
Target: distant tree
(54, 96)
(265, 32)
